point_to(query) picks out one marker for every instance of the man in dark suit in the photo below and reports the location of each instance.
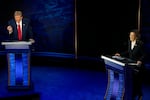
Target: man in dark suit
(136, 52)
(19, 28)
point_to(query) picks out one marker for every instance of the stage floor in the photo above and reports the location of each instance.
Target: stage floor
(62, 83)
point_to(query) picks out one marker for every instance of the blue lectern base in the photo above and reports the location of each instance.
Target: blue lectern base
(20, 87)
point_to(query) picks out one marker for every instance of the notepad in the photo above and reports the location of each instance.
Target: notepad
(118, 57)
(133, 64)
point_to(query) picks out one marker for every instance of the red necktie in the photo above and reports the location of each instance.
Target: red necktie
(19, 32)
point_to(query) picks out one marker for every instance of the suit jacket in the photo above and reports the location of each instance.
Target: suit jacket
(26, 30)
(137, 53)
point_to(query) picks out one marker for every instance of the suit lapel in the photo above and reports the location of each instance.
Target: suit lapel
(23, 28)
(130, 46)
(15, 29)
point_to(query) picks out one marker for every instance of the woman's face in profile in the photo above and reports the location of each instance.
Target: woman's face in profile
(132, 36)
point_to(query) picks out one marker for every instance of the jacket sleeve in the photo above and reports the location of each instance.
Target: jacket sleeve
(142, 52)
(10, 36)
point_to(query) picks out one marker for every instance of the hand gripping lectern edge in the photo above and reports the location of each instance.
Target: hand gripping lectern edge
(18, 60)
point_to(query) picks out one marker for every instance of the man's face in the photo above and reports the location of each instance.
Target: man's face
(18, 18)
(132, 36)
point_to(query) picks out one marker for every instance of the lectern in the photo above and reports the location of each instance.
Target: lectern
(119, 71)
(18, 58)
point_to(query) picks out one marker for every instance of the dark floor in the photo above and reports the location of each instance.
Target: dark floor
(53, 82)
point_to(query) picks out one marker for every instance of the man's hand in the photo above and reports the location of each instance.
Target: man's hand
(10, 29)
(32, 40)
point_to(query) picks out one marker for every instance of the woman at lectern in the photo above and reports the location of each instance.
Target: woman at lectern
(135, 52)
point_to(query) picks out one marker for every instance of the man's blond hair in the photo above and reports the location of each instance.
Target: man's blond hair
(18, 13)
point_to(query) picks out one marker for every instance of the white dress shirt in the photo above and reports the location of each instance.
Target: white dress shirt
(20, 25)
(132, 44)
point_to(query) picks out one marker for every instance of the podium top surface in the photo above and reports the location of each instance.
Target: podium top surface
(119, 60)
(16, 43)
(113, 60)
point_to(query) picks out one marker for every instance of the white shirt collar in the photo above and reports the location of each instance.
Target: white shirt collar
(133, 41)
(19, 23)
(133, 44)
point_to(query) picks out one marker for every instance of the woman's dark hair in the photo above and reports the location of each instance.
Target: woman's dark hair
(136, 31)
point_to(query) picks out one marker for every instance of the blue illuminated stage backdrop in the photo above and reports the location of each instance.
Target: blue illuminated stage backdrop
(52, 22)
